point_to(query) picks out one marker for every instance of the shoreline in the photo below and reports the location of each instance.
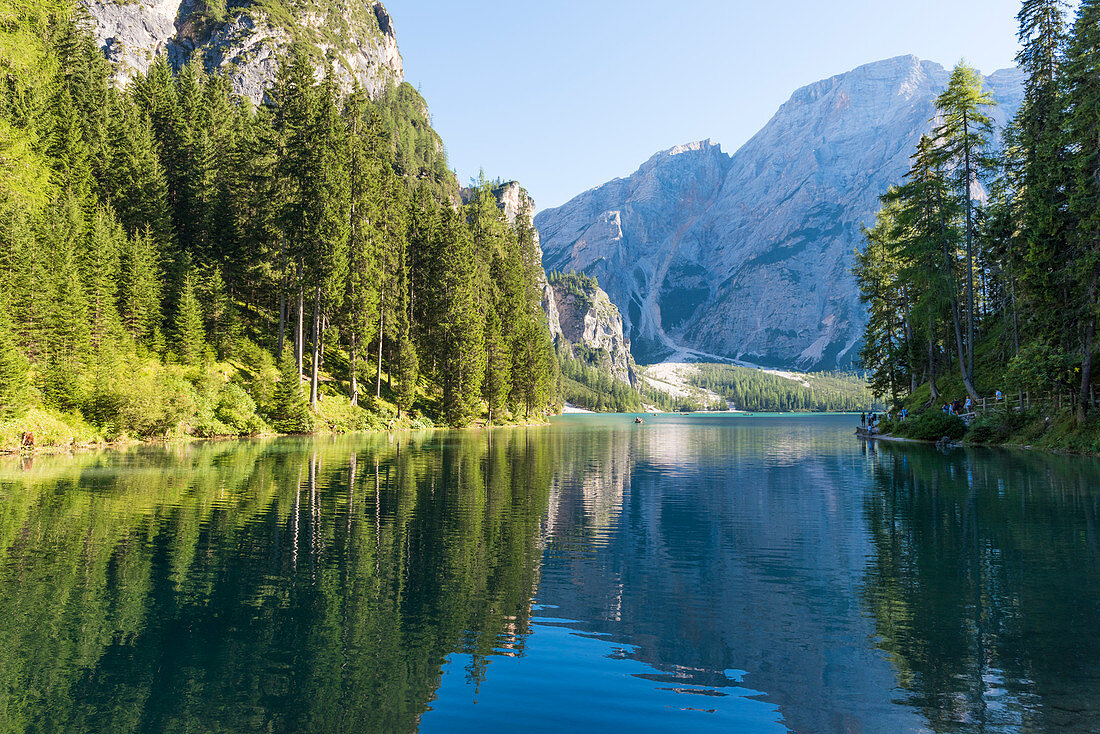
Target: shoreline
(89, 446)
(891, 438)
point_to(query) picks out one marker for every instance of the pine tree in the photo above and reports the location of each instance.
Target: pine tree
(1037, 171)
(140, 290)
(462, 360)
(360, 296)
(189, 337)
(100, 265)
(962, 146)
(498, 367)
(289, 409)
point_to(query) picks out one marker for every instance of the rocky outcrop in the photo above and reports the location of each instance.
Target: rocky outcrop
(246, 40)
(514, 201)
(748, 256)
(590, 326)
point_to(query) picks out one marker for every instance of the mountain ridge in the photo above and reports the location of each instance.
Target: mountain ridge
(747, 255)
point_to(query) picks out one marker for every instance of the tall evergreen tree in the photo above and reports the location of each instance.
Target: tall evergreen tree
(1083, 132)
(289, 411)
(963, 139)
(462, 362)
(189, 337)
(140, 289)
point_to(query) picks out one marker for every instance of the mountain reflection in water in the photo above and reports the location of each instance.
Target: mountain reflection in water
(749, 574)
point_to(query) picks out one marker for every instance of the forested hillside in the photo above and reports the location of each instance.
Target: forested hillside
(176, 260)
(981, 271)
(756, 390)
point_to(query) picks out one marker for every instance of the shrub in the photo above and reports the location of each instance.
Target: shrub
(237, 410)
(932, 426)
(996, 426)
(50, 428)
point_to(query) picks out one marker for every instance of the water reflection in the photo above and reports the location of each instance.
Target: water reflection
(683, 575)
(984, 586)
(280, 586)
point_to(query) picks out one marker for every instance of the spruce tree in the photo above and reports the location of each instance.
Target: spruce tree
(289, 409)
(462, 359)
(498, 367)
(189, 337)
(1036, 157)
(1083, 132)
(140, 289)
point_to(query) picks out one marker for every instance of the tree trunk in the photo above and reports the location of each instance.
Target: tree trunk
(381, 324)
(967, 382)
(282, 319)
(298, 339)
(1086, 354)
(316, 363)
(969, 377)
(933, 388)
(353, 366)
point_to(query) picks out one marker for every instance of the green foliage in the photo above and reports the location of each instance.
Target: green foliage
(998, 426)
(931, 425)
(1012, 280)
(189, 335)
(150, 230)
(596, 389)
(579, 285)
(289, 411)
(755, 390)
(1040, 368)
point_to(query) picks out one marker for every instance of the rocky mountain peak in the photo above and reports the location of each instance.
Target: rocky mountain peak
(245, 41)
(748, 256)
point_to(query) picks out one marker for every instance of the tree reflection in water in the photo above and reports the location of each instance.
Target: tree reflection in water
(984, 585)
(266, 586)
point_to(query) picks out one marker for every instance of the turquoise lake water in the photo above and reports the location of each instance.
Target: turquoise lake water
(693, 573)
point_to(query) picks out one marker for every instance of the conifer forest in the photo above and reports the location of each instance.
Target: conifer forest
(981, 270)
(175, 260)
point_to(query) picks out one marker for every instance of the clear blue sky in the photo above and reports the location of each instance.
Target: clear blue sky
(565, 95)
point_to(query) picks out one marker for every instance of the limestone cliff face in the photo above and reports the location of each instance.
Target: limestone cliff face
(748, 256)
(591, 327)
(246, 40)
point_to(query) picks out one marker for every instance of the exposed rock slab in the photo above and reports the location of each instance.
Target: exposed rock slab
(247, 42)
(748, 256)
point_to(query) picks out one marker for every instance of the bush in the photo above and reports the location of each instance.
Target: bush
(932, 426)
(237, 410)
(996, 427)
(143, 399)
(50, 428)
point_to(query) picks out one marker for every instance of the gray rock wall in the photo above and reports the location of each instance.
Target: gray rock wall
(247, 43)
(748, 256)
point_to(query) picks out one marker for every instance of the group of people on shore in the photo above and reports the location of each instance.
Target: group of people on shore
(871, 420)
(955, 407)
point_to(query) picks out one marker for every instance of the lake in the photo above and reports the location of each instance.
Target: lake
(698, 573)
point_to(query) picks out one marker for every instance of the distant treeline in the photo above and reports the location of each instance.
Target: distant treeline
(752, 389)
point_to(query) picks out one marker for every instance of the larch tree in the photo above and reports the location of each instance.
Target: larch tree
(963, 139)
